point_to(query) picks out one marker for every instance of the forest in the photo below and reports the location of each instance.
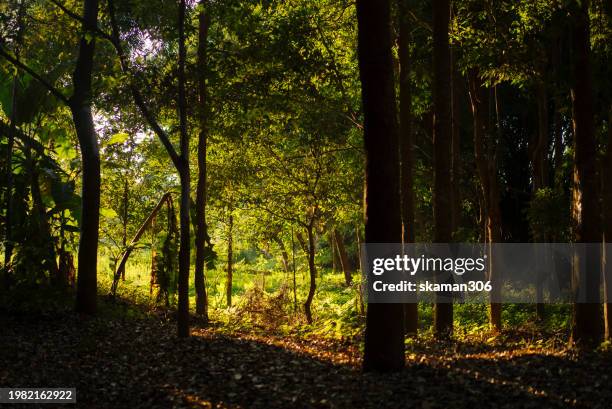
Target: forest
(189, 190)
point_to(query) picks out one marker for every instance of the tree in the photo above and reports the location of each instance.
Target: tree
(485, 156)
(180, 161)
(202, 238)
(384, 335)
(185, 177)
(406, 142)
(607, 219)
(442, 140)
(345, 264)
(586, 318)
(80, 106)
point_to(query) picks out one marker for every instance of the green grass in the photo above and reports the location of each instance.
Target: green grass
(262, 298)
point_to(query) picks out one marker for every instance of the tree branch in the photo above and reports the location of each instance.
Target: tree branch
(75, 16)
(36, 76)
(138, 99)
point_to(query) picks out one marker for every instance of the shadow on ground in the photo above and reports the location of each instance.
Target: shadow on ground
(139, 363)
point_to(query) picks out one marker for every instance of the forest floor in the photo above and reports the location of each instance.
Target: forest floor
(138, 362)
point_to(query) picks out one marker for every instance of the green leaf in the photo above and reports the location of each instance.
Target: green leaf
(118, 138)
(109, 213)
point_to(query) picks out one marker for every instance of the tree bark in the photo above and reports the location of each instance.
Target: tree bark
(230, 259)
(384, 335)
(334, 252)
(283, 250)
(456, 97)
(201, 192)
(312, 269)
(540, 178)
(607, 222)
(8, 223)
(484, 156)
(126, 197)
(359, 256)
(345, 264)
(295, 306)
(80, 106)
(406, 142)
(443, 233)
(586, 319)
(184, 175)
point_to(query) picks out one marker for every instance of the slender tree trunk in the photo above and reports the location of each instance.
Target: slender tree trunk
(360, 289)
(312, 269)
(80, 105)
(384, 333)
(8, 222)
(607, 219)
(203, 112)
(495, 221)
(126, 197)
(184, 174)
(406, 142)
(443, 315)
(456, 92)
(486, 167)
(230, 259)
(586, 320)
(181, 162)
(334, 252)
(284, 254)
(557, 130)
(295, 306)
(347, 269)
(540, 178)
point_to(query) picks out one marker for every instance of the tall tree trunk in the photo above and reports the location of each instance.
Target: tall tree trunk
(485, 158)
(126, 197)
(203, 112)
(8, 221)
(312, 269)
(384, 334)
(295, 306)
(586, 319)
(540, 178)
(230, 259)
(557, 130)
(443, 233)
(360, 258)
(184, 174)
(80, 106)
(333, 250)
(456, 93)
(607, 219)
(406, 142)
(347, 269)
(180, 162)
